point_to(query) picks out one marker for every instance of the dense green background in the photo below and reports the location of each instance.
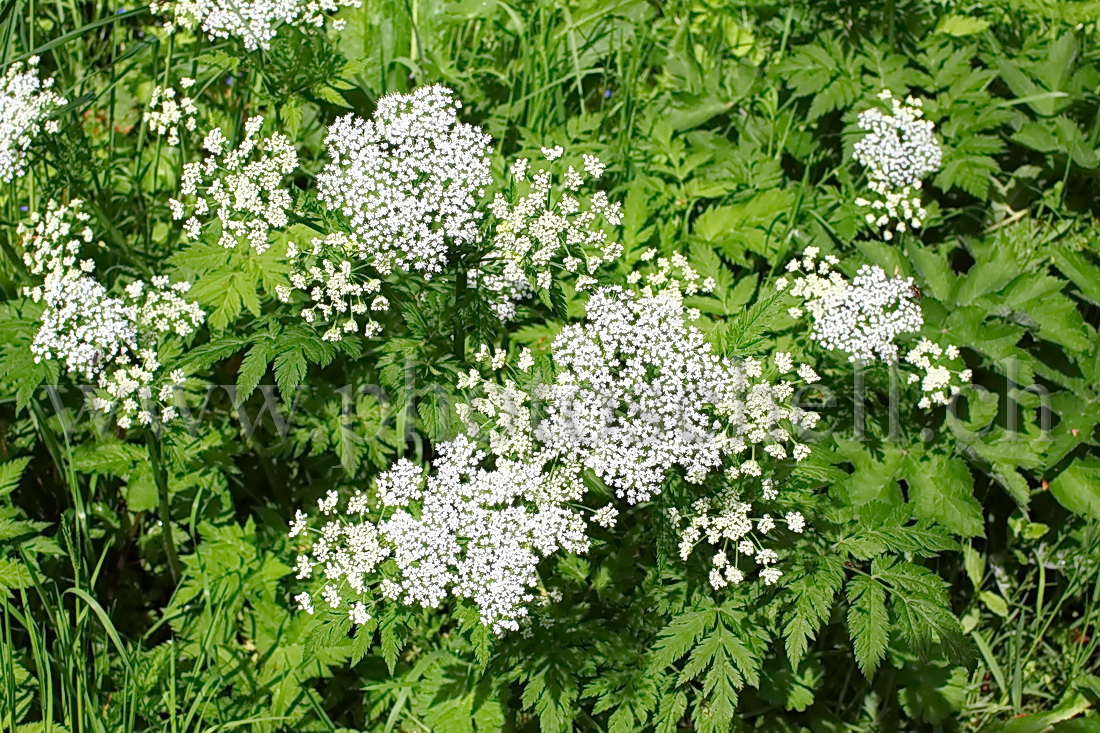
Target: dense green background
(728, 130)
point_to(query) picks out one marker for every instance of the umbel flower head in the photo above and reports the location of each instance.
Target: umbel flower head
(862, 317)
(338, 295)
(168, 111)
(939, 378)
(26, 104)
(244, 187)
(638, 393)
(898, 151)
(867, 316)
(110, 339)
(408, 179)
(544, 225)
(255, 22)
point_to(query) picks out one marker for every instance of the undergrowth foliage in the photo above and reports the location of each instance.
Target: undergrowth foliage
(578, 365)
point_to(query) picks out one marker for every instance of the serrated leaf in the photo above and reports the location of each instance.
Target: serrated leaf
(942, 489)
(677, 638)
(812, 594)
(252, 370)
(290, 369)
(390, 640)
(868, 623)
(10, 474)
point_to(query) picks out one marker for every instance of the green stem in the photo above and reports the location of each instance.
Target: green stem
(460, 299)
(159, 472)
(890, 13)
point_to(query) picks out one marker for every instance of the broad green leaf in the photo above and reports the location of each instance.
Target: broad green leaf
(1078, 487)
(961, 25)
(942, 489)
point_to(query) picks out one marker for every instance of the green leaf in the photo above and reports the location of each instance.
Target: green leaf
(812, 594)
(868, 624)
(677, 638)
(1078, 487)
(252, 369)
(920, 609)
(961, 25)
(290, 369)
(10, 474)
(941, 489)
(670, 712)
(391, 641)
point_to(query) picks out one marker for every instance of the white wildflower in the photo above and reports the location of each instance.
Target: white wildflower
(98, 336)
(255, 22)
(863, 317)
(26, 106)
(407, 179)
(607, 516)
(244, 187)
(898, 151)
(168, 112)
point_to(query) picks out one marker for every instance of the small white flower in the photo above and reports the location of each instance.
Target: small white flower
(358, 613)
(305, 602)
(26, 104)
(255, 22)
(607, 516)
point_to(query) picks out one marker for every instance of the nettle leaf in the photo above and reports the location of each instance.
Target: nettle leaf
(941, 489)
(868, 624)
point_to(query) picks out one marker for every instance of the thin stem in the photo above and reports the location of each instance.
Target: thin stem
(159, 472)
(460, 299)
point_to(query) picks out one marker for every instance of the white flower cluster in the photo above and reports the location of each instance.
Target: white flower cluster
(111, 340)
(463, 530)
(861, 317)
(638, 393)
(727, 523)
(938, 381)
(255, 22)
(898, 150)
(550, 228)
(26, 104)
(503, 293)
(337, 294)
(243, 187)
(408, 179)
(168, 112)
